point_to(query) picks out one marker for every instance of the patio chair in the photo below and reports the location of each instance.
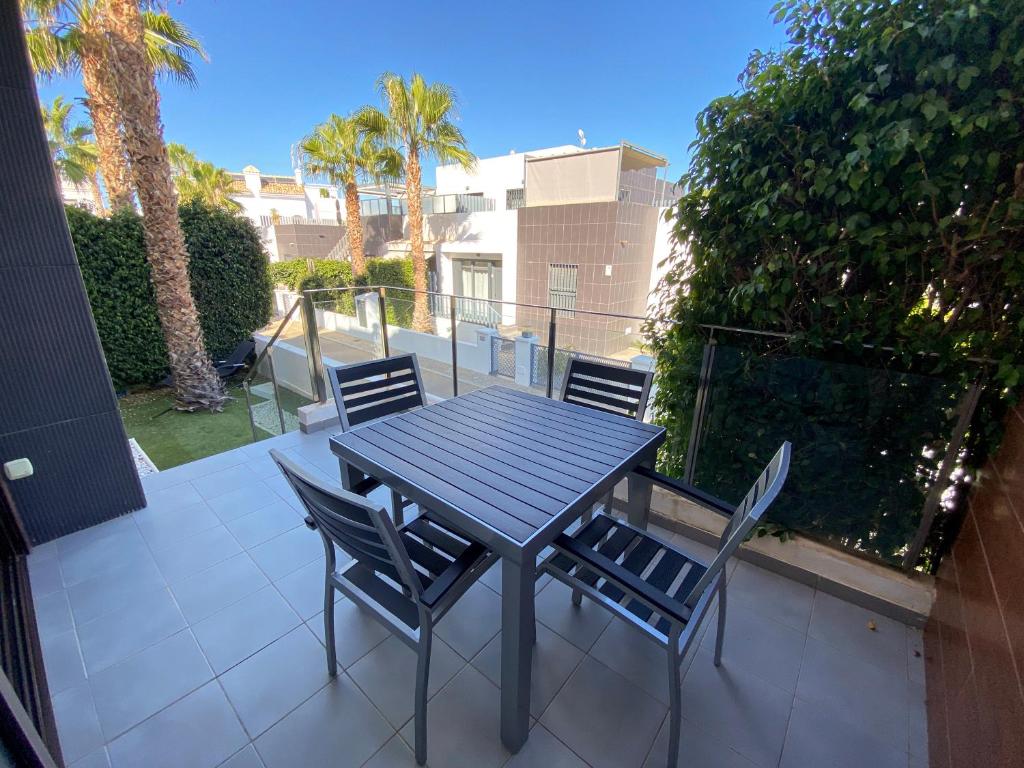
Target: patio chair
(655, 586)
(621, 391)
(407, 585)
(227, 367)
(365, 392)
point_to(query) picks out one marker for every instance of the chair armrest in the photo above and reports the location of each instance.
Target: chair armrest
(685, 489)
(459, 567)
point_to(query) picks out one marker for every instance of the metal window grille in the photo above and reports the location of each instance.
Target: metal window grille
(562, 288)
(514, 198)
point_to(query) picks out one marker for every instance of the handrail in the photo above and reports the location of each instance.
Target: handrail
(490, 301)
(259, 358)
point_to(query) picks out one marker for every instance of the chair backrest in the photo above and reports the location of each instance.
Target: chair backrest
(363, 530)
(367, 391)
(241, 352)
(747, 515)
(622, 391)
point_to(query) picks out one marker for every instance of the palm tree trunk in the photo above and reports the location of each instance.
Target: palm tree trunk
(101, 102)
(196, 384)
(413, 179)
(354, 230)
(97, 195)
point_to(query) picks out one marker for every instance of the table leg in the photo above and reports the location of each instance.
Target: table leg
(350, 476)
(638, 503)
(517, 627)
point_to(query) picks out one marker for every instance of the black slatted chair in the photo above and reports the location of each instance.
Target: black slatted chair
(656, 587)
(365, 392)
(622, 391)
(408, 576)
(230, 365)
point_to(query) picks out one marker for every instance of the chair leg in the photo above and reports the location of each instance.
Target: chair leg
(422, 679)
(332, 654)
(577, 595)
(396, 505)
(675, 699)
(609, 502)
(720, 638)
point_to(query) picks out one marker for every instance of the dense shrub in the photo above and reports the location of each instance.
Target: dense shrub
(228, 270)
(287, 274)
(111, 254)
(229, 283)
(864, 187)
(335, 274)
(396, 272)
(331, 273)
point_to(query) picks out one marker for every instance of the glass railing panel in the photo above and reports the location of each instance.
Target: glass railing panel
(280, 383)
(490, 351)
(867, 443)
(348, 326)
(417, 324)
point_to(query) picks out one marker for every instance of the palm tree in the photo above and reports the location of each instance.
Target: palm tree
(197, 179)
(419, 118)
(203, 181)
(65, 36)
(196, 383)
(340, 151)
(74, 156)
(181, 157)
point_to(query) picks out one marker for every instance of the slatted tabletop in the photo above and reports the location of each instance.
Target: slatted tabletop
(503, 464)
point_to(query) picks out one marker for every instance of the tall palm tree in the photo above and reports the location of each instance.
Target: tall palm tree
(203, 181)
(418, 117)
(66, 36)
(74, 155)
(196, 383)
(341, 151)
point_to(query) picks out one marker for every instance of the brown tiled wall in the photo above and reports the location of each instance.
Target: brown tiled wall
(307, 241)
(591, 235)
(974, 641)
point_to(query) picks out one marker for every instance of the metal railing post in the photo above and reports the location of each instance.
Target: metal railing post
(551, 352)
(455, 348)
(313, 358)
(699, 410)
(248, 406)
(382, 310)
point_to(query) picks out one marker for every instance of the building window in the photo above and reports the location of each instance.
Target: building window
(562, 288)
(514, 198)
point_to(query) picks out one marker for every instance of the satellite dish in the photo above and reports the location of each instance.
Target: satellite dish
(583, 138)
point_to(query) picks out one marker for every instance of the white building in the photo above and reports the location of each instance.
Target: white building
(565, 226)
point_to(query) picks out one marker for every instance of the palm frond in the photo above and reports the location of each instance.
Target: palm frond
(170, 46)
(53, 54)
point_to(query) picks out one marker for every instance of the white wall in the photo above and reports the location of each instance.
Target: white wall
(467, 234)
(663, 248)
(492, 177)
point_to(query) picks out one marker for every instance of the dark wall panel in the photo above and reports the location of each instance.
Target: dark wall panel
(57, 406)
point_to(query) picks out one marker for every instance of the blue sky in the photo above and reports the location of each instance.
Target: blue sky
(528, 74)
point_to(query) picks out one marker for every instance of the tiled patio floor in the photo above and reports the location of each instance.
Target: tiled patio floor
(190, 634)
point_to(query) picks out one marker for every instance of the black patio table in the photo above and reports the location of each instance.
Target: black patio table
(512, 470)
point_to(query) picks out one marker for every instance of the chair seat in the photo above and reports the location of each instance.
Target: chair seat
(441, 558)
(641, 577)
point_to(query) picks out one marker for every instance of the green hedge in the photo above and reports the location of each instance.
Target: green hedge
(230, 284)
(287, 274)
(331, 273)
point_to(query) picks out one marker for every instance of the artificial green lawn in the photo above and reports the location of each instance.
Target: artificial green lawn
(176, 437)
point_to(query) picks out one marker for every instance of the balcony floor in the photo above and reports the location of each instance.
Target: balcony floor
(190, 634)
